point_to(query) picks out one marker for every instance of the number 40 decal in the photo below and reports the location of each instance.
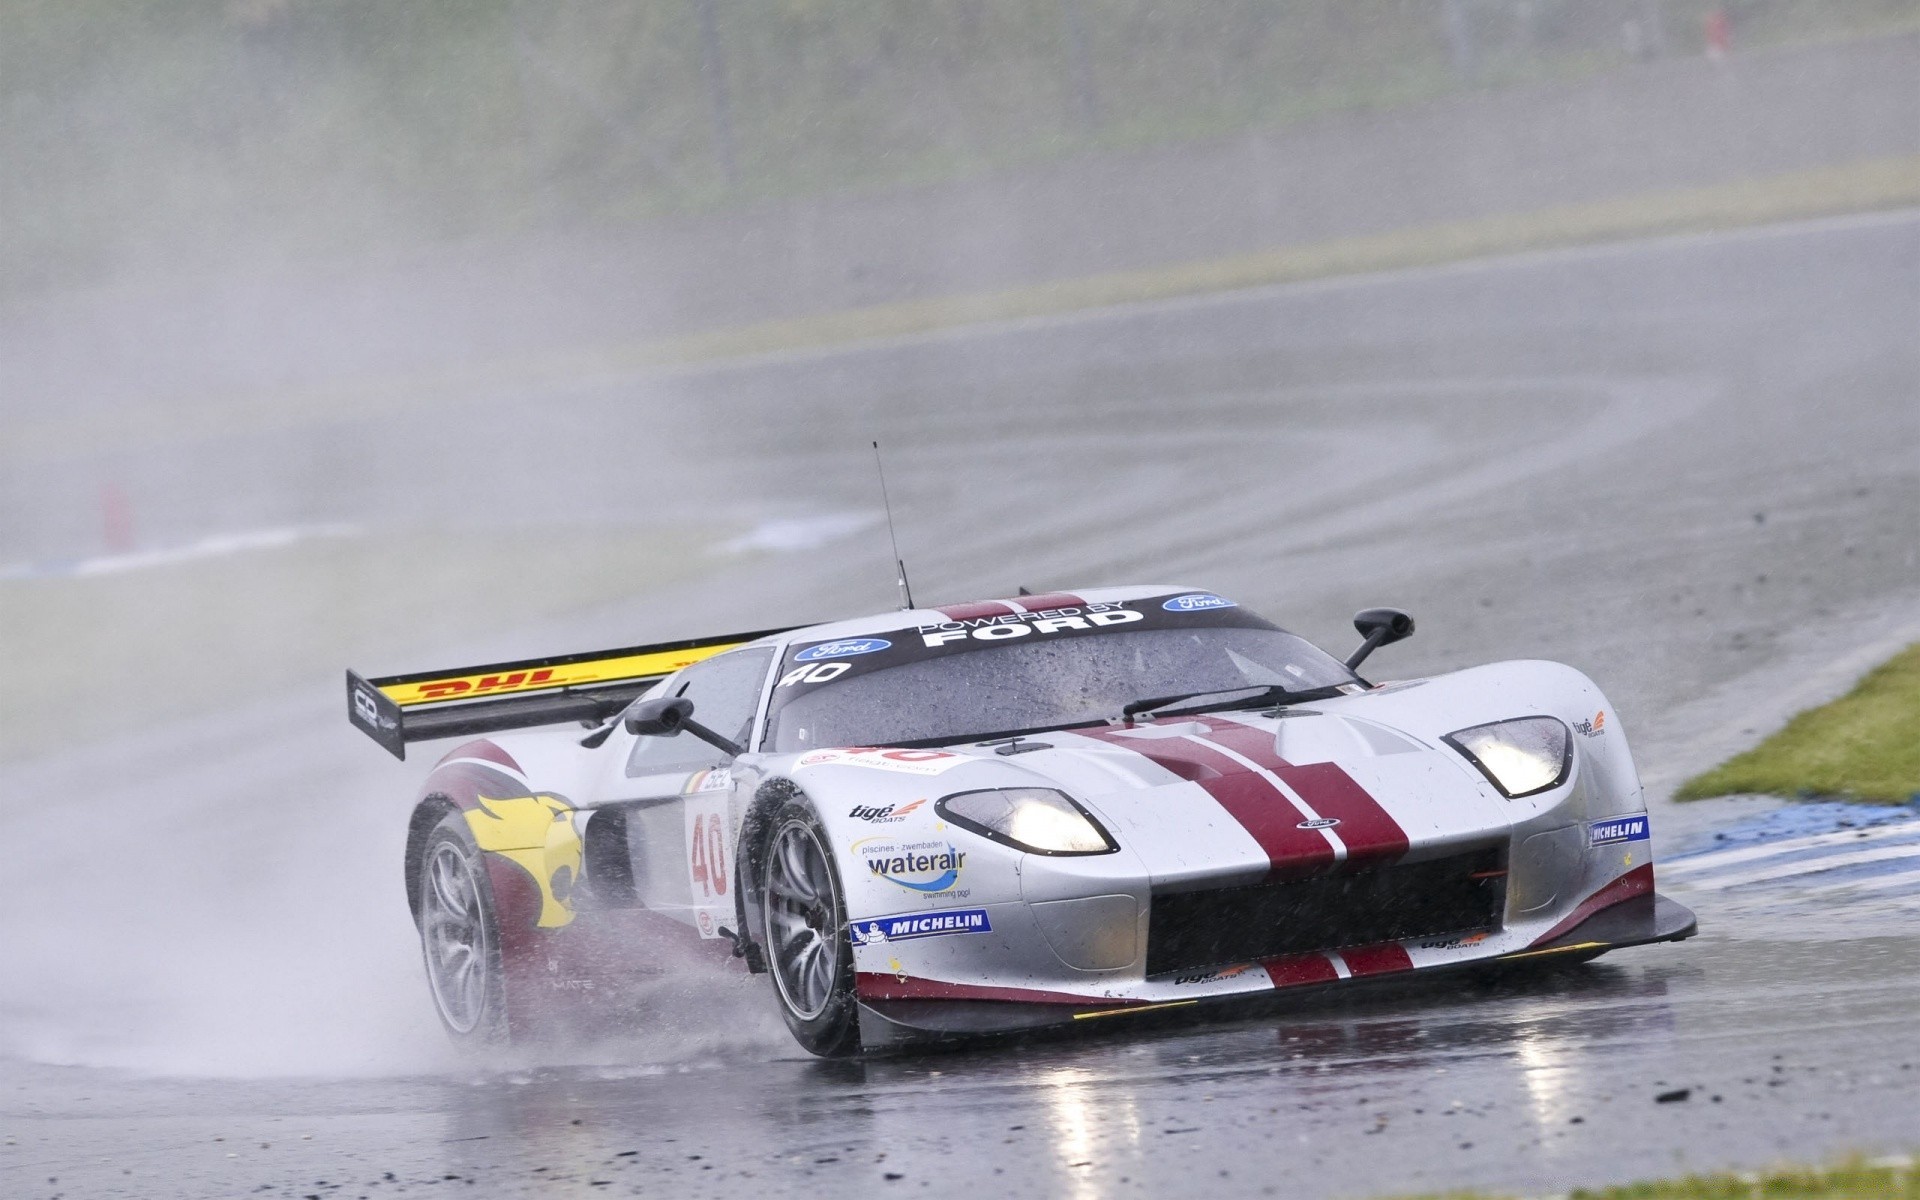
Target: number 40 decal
(708, 861)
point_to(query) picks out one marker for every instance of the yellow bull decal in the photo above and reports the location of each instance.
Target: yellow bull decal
(536, 834)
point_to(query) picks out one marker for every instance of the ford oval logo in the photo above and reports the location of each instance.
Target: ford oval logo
(1319, 823)
(845, 648)
(1196, 601)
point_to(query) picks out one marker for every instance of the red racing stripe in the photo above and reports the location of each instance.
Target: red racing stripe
(1269, 817)
(1637, 882)
(878, 985)
(1377, 960)
(1369, 831)
(484, 750)
(976, 610)
(1051, 600)
(1297, 969)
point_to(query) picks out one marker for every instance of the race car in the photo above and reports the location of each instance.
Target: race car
(1005, 815)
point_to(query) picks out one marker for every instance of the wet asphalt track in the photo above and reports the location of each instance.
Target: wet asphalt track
(1691, 467)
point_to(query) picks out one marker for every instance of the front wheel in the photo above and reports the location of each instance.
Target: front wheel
(808, 953)
(460, 938)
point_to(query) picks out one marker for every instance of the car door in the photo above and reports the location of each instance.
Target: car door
(679, 793)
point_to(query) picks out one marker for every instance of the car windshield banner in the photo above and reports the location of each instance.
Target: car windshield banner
(812, 663)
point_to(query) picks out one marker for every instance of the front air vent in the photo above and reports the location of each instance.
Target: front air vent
(1195, 930)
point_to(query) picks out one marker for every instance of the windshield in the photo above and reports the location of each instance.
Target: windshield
(979, 688)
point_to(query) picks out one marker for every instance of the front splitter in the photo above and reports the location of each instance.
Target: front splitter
(898, 1024)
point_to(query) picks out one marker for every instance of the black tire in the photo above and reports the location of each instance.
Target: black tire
(460, 937)
(804, 927)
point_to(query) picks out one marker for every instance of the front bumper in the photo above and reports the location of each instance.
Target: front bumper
(900, 1017)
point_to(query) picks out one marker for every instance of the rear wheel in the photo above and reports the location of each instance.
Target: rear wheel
(459, 937)
(808, 953)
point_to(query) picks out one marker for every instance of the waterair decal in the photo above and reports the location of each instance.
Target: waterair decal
(844, 648)
(921, 866)
(1618, 829)
(1197, 601)
(907, 762)
(919, 925)
(1006, 626)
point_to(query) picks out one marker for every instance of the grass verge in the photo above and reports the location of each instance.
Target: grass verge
(1863, 746)
(111, 653)
(1854, 1179)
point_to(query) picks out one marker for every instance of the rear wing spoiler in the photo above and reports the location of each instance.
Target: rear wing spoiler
(591, 688)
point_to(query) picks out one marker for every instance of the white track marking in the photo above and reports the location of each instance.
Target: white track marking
(1874, 883)
(220, 545)
(1715, 859)
(1812, 866)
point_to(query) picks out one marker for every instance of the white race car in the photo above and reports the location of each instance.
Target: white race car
(1004, 815)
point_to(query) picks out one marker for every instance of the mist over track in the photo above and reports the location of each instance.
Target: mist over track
(1684, 465)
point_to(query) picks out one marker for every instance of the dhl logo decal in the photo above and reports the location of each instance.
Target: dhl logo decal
(500, 683)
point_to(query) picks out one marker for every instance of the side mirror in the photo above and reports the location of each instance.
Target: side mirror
(661, 716)
(1379, 626)
(667, 716)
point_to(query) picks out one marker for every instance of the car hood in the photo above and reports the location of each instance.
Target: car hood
(1238, 796)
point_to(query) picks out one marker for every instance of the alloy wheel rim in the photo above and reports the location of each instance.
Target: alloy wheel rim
(802, 921)
(453, 931)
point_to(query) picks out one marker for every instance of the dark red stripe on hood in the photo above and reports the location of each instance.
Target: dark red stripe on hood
(1267, 815)
(1369, 831)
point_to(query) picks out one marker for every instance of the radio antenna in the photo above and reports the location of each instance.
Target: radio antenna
(906, 592)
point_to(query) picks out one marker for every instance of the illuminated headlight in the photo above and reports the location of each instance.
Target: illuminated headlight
(1521, 757)
(1038, 820)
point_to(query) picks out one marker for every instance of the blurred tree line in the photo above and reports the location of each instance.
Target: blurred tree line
(158, 133)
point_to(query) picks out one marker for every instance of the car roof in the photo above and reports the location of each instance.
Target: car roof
(913, 618)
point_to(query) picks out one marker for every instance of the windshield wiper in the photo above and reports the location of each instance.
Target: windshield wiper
(1269, 694)
(970, 739)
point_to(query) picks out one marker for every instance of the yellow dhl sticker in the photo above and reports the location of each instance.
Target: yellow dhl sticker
(500, 683)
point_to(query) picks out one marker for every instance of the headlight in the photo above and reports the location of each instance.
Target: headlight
(1521, 757)
(1038, 820)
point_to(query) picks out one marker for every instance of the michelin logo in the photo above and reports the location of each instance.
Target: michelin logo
(845, 648)
(919, 925)
(1197, 602)
(1615, 830)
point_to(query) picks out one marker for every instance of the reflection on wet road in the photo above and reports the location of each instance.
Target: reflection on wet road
(1523, 1081)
